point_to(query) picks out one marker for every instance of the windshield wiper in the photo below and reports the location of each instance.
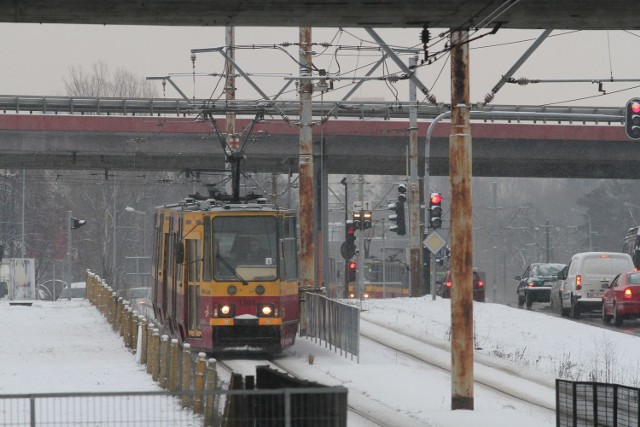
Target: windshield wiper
(232, 268)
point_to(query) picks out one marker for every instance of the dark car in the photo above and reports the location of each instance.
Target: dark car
(444, 288)
(535, 283)
(621, 300)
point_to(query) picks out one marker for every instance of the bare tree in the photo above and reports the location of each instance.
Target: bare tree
(99, 82)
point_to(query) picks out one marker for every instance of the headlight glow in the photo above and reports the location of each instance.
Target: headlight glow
(225, 310)
(266, 310)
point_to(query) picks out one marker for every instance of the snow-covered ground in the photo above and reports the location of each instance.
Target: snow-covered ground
(67, 346)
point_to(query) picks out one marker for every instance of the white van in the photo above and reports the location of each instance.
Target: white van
(582, 282)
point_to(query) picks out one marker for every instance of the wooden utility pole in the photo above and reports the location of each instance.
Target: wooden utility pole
(461, 234)
(415, 238)
(305, 164)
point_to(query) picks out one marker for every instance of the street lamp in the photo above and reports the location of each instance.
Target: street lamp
(144, 226)
(590, 230)
(72, 224)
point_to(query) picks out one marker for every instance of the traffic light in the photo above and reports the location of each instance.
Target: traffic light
(357, 219)
(632, 119)
(77, 223)
(352, 271)
(398, 218)
(435, 210)
(348, 248)
(366, 219)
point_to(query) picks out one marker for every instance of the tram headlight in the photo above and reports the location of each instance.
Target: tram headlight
(267, 310)
(259, 289)
(231, 290)
(223, 310)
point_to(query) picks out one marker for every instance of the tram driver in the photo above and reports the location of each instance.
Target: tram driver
(252, 253)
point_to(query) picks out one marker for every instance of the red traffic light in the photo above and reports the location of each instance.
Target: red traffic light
(352, 265)
(635, 107)
(436, 198)
(351, 229)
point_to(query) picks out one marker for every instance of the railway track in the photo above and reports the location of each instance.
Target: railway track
(495, 375)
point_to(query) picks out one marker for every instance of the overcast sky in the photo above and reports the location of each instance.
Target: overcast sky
(38, 58)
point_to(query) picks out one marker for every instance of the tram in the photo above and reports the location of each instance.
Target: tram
(225, 270)
(212, 290)
(388, 279)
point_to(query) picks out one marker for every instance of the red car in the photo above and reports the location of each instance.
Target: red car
(621, 299)
(444, 289)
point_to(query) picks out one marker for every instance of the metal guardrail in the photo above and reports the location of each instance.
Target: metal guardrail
(316, 407)
(596, 404)
(333, 322)
(353, 110)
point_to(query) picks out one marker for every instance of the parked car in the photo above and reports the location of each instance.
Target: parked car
(581, 284)
(622, 299)
(75, 290)
(50, 290)
(535, 283)
(444, 288)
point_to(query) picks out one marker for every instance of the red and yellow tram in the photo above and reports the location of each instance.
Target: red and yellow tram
(225, 275)
(388, 279)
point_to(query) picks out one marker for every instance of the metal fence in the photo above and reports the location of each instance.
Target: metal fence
(596, 404)
(335, 323)
(316, 407)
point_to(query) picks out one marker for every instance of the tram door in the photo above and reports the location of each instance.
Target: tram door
(193, 255)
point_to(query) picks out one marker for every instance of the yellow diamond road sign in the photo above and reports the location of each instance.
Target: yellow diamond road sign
(434, 242)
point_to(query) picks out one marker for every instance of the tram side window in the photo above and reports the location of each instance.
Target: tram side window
(290, 244)
(193, 260)
(206, 273)
(168, 253)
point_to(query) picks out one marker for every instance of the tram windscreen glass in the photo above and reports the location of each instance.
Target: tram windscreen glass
(245, 246)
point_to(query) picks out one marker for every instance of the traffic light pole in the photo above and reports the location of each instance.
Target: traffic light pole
(360, 271)
(345, 280)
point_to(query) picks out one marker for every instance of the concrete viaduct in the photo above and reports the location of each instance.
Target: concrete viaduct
(82, 142)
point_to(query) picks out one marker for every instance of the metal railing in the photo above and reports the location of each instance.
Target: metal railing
(283, 407)
(354, 110)
(587, 404)
(333, 322)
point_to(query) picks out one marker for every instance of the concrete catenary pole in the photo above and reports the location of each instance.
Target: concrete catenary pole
(305, 164)
(230, 96)
(461, 234)
(415, 245)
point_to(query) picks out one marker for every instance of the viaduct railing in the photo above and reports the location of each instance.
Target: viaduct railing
(358, 110)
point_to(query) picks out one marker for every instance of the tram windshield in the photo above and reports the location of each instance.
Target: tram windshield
(245, 248)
